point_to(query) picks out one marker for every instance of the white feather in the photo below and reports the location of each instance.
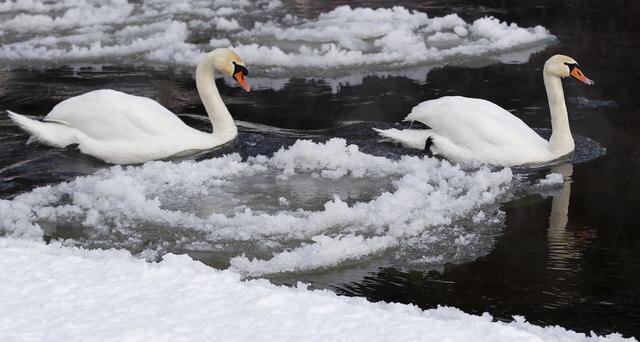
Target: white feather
(475, 130)
(123, 129)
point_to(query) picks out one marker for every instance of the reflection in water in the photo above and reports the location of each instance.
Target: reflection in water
(565, 248)
(561, 243)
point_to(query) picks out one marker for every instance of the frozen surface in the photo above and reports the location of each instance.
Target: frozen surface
(57, 293)
(551, 179)
(273, 43)
(309, 206)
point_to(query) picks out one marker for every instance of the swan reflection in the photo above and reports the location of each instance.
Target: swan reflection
(566, 246)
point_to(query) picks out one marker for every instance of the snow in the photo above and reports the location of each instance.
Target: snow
(310, 206)
(60, 293)
(325, 251)
(273, 43)
(345, 38)
(551, 179)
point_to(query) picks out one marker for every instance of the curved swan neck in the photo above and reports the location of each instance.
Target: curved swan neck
(561, 141)
(221, 119)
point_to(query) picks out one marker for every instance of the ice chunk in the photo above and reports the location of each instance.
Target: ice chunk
(323, 252)
(551, 179)
(343, 205)
(164, 32)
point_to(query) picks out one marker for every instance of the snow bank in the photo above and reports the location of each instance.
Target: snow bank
(418, 208)
(56, 293)
(273, 43)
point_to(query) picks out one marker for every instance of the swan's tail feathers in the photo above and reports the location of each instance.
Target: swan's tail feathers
(411, 138)
(48, 133)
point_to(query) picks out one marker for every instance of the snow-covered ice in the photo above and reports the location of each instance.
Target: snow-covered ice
(57, 293)
(419, 209)
(274, 43)
(551, 179)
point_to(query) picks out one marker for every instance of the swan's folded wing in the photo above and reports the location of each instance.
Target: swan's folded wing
(473, 123)
(112, 115)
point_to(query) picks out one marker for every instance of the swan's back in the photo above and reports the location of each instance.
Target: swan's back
(476, 129)
(112, 115)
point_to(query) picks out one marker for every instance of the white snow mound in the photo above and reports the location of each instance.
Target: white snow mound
(417, 208)
(56, 293)
(272, 42)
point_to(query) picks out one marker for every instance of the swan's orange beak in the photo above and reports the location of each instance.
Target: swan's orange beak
(242, 80)
(578, 75)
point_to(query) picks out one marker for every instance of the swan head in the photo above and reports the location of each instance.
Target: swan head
(563, 66)
(229, 63)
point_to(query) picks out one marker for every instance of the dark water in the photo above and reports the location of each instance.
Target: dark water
(572, 259)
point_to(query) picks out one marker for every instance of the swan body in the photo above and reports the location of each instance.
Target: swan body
(475, 130)
(123, 129)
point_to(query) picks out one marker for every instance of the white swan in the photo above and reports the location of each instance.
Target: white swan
(474, 130)
(124, 129)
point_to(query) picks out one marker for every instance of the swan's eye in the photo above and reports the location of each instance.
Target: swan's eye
(240, 68)
(571, 66)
